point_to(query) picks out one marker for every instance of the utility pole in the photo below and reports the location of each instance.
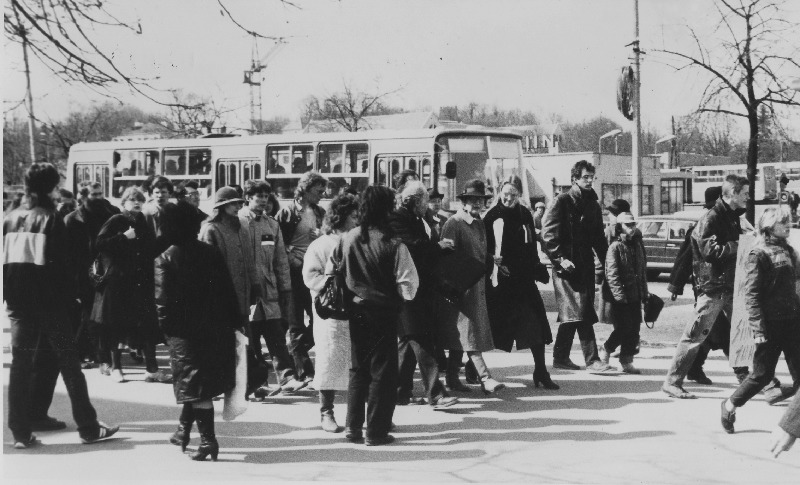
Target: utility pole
(636, 178)
(28, 93)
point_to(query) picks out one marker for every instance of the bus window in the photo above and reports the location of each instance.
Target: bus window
(357, 158)
(337, 185)
(222, 178)
(426, 172)
(283, 187)
(256, 171)
(91, 172)
(394, 169)
(411, 164)
(135, 163)
(381, 167)
(174, 162)
(233, 178)
(330, 158)
(245, 172)
(304, 153)
(199, 161)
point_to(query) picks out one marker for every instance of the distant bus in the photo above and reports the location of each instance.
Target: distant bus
(767, 177)
(444, 158)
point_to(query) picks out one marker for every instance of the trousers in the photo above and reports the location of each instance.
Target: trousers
(707, 309)
(566, 334)
(301, 338)
(413, 349)
(28, 335)
(275, 338)
(373, 371)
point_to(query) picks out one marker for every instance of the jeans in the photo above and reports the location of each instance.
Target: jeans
(373, 375)
(784, 337)
(565, 336)
(301, 338)
(44, 377)
(26, 329)
(275, 338)
(412, 349)
(707, 309)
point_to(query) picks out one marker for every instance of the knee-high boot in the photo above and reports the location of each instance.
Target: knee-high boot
(208, 440)
(181, 436)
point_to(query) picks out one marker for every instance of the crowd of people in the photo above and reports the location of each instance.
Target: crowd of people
(82, 286)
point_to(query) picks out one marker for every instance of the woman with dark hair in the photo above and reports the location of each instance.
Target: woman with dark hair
(331, 337)
(381, 275)
(124, 310)
(516, 310)
(198, 312)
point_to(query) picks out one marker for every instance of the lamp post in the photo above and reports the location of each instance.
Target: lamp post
(614, 133)
(662, 140)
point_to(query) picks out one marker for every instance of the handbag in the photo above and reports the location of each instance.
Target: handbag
(100, 270)
(652, 309)
(235, 402)
(331, 302)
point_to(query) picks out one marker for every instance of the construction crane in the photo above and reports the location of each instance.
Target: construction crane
(253, 78)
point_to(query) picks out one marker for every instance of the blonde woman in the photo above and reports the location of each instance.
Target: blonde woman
(772, 307)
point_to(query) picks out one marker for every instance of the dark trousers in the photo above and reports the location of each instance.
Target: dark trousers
(26, 328)
(108, 352)
(373, 375)
(565, 336)
(275, 337)
(627, 321)
(413, 349)
(326, 398)
(87, 347)
(784, 337)
(301, 338)
(44, 377)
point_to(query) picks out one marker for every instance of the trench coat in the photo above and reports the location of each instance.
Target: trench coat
(198, 312)
(516, 309)
(124, 308)
(232, 240)
(466, 326)
(573, 229)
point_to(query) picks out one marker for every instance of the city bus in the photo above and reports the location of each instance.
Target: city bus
(443, 158)
(767, 176)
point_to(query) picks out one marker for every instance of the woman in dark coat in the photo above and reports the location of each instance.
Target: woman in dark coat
(516, 311)
(198, 312)
(124, 309)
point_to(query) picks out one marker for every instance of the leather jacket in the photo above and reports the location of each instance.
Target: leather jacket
(769, 285)
(715, 241)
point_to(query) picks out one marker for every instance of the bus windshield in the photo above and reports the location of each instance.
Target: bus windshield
(489, 158)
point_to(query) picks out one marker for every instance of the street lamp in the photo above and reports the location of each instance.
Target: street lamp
(614, 133)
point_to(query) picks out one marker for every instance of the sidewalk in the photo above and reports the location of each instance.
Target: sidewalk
(596, 429)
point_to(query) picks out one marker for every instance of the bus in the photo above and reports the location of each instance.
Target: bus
(443, 158)
(767, 176)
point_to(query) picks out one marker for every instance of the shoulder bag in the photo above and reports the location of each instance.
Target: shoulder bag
(331, 302)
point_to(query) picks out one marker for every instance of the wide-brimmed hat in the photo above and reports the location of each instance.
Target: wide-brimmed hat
(619, 206)
(625, 218)
(712, 194)
(226, 195)
(474, 188)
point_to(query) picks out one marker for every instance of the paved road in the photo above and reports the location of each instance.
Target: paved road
(596, 429)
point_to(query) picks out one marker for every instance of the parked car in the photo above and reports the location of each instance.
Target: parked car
(663, 237)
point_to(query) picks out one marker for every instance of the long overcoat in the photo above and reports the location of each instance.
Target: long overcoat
(198, 311)
(125, 307)
(573, 230)
(516, 309)
(466, 326)
(418, 316)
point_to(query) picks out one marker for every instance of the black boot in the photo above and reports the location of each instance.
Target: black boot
(540, 374)
(208, 440)
(471, 373)
(181, 436)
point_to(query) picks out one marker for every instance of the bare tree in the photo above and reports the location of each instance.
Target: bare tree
(748, 69)
(191, 115)
(347, 108)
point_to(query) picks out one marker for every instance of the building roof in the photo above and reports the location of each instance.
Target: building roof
(400, 121)
(701, 160)
(548, 129)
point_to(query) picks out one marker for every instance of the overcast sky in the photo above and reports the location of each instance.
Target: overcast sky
(548, 56)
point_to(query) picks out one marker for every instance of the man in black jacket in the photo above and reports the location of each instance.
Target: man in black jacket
(572, 232)
(418, 316)
(715, 241)
(35, 274)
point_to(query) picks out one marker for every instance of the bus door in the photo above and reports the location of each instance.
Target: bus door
(388, 166)
(237, 172)
(91, 172)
